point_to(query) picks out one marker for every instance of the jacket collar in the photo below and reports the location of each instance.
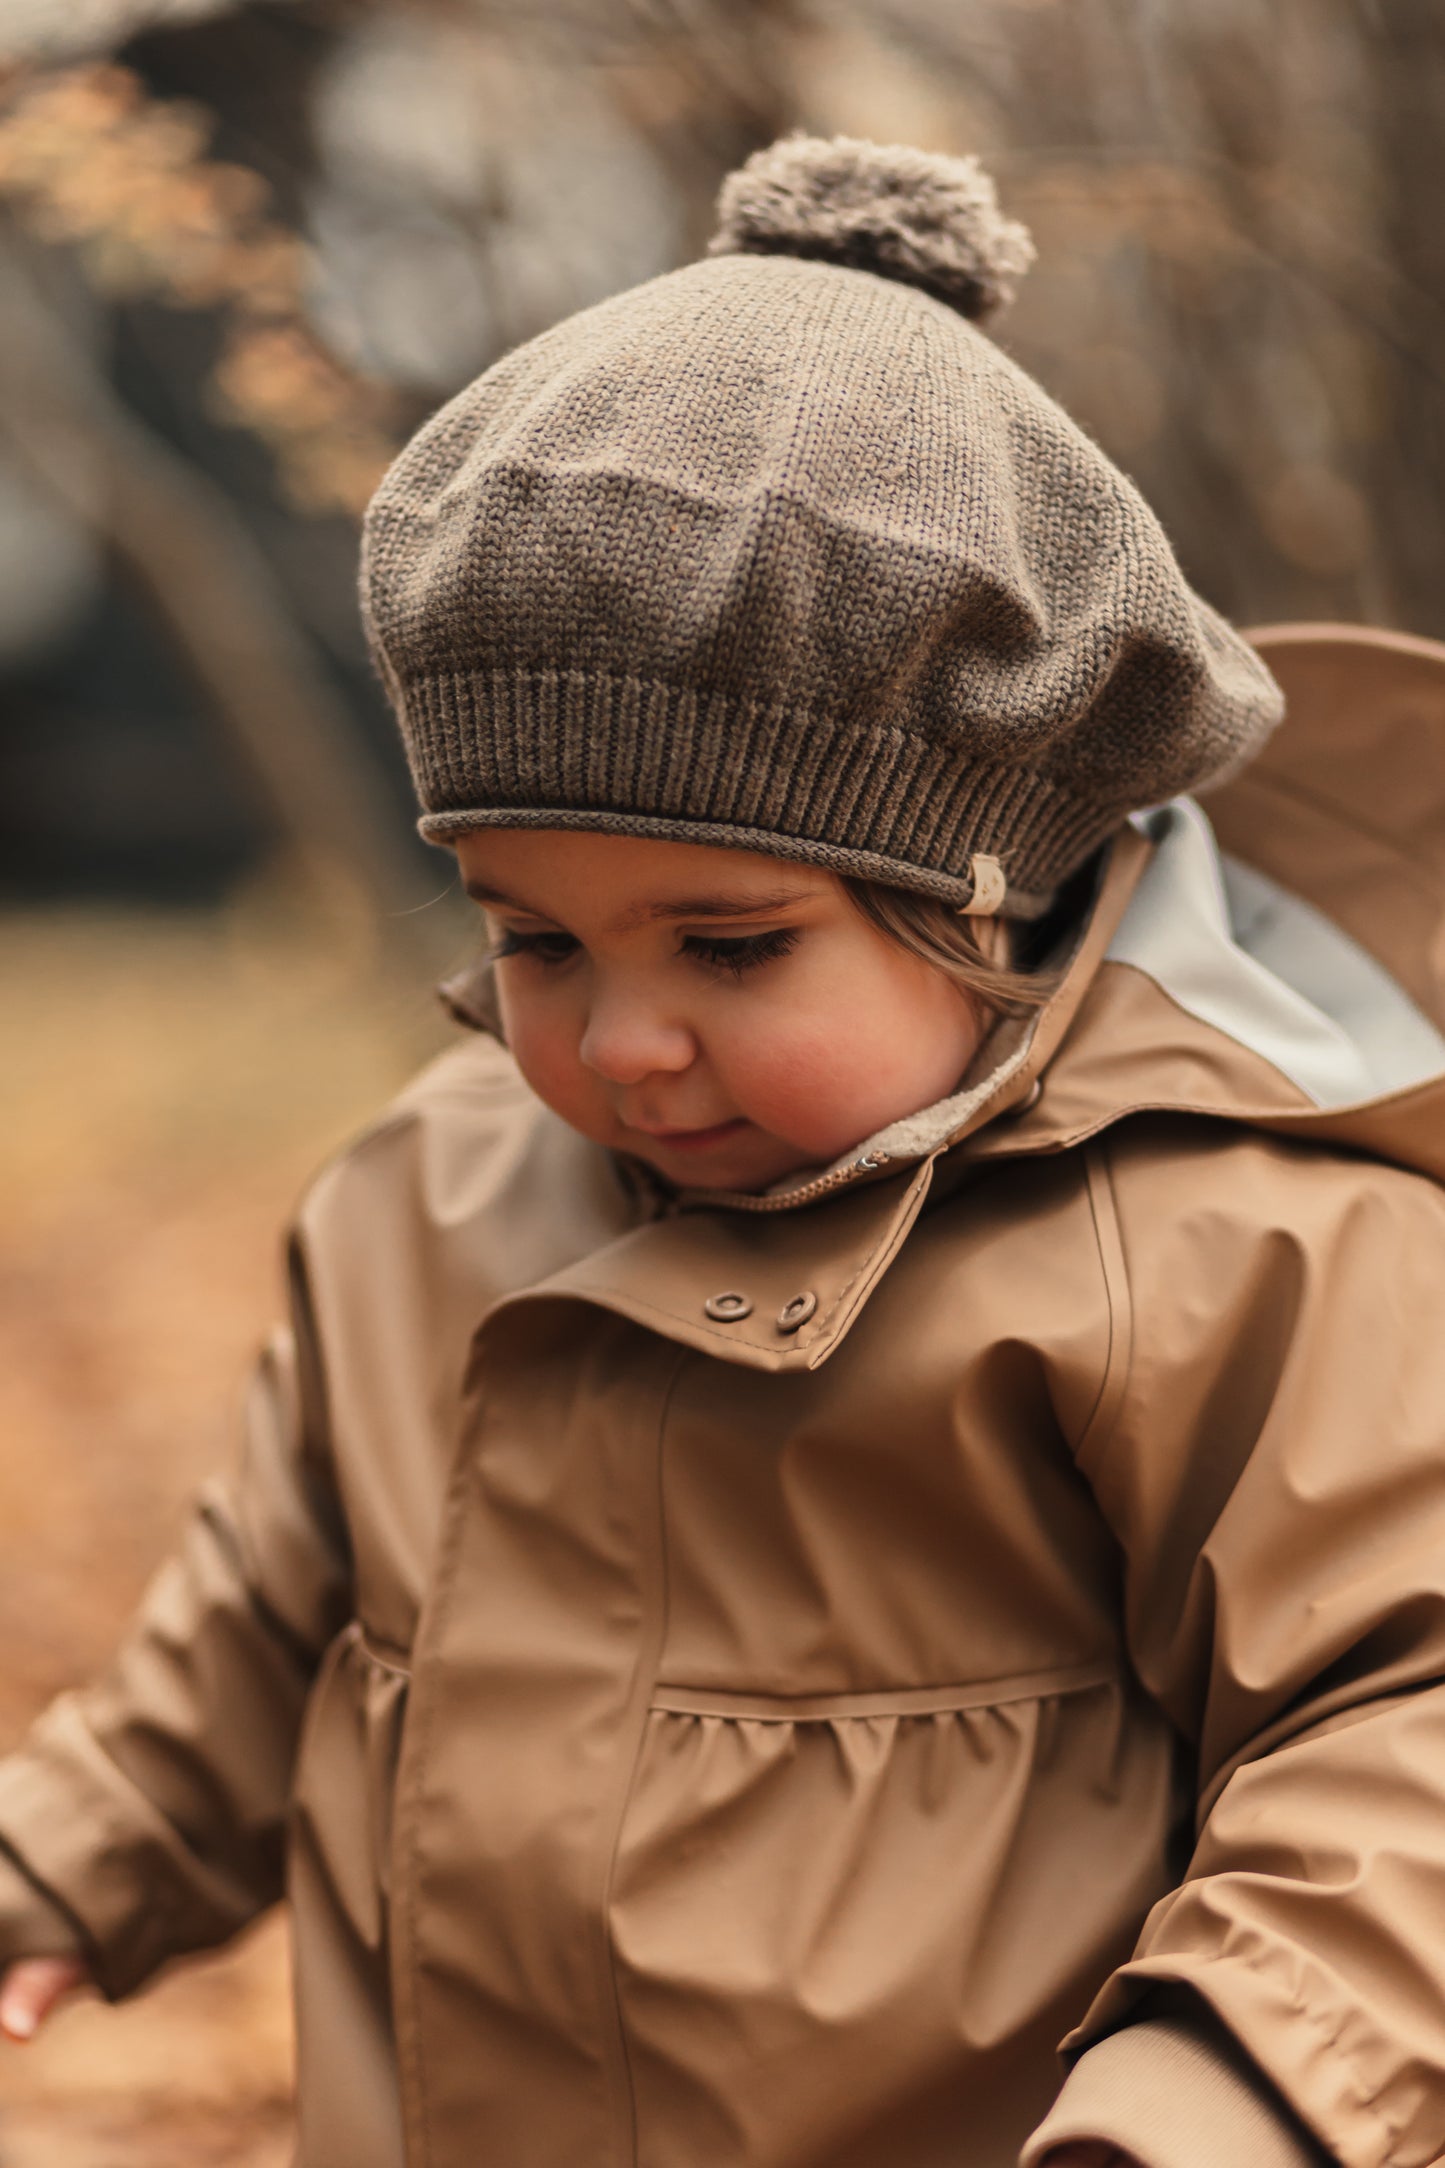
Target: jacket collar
(770, 1292)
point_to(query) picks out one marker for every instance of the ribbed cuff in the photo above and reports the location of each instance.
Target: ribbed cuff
(1174, 2093)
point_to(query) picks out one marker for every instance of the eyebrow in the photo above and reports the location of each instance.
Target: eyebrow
(717, 903)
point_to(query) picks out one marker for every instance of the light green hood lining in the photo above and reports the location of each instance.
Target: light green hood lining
(1246, 956)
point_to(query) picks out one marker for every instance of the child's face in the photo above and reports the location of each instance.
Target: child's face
(726, 1017)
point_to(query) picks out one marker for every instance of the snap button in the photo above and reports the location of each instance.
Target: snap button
(1031, 1097)
(727, 1309)
(797, 1311)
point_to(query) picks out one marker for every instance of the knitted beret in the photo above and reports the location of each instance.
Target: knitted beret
(781, 551)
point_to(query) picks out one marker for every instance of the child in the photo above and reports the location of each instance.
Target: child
(857, 1482)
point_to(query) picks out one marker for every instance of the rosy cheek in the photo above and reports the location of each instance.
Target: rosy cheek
(822, 1085)
(794, 1083)
(543, 1042)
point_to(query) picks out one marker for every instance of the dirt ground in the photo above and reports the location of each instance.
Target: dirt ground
(167, 1087)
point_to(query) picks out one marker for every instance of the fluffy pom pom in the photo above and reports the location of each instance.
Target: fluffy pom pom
(914, 215)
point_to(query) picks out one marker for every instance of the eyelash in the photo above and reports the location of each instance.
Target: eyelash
(741, 952)
(734, 954)
(543, 946)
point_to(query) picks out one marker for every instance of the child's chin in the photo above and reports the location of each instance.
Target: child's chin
(748, 1168)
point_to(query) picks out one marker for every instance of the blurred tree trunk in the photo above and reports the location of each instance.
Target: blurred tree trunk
(1408, 55)
(177, 539)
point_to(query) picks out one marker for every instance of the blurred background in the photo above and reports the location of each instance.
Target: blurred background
(243, 251)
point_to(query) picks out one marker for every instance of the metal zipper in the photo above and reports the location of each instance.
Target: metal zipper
(738, 1200)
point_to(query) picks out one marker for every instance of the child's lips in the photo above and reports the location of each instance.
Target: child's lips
(693, 1140)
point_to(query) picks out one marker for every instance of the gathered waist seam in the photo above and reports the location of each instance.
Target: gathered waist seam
(886, 1701)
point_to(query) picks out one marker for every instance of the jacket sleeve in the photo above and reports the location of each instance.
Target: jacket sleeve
(1274, 1469)
(143, 1815)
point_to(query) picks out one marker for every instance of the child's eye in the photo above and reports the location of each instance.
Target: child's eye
(738, 953)
(546, 948)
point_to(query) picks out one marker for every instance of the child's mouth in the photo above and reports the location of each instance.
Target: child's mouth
(695, 1140)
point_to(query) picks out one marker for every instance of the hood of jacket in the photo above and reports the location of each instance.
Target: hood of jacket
(1287, 969)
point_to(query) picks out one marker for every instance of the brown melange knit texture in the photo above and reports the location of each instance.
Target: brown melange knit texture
(786, 555)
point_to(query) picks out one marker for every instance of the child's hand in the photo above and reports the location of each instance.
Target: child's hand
(31, 1988)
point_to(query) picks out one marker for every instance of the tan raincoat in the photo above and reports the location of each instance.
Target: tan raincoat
(756, 1731)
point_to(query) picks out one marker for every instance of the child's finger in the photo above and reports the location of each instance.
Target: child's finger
(30, 1990)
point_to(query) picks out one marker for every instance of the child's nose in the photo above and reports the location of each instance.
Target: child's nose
(627, 1040)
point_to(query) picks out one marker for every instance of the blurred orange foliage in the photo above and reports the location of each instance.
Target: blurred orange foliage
(89, 158)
